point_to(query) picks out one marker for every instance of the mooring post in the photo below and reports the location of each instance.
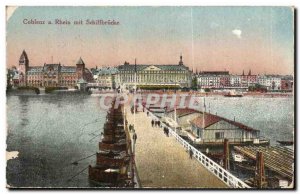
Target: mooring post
(226, 154)
(260, 170)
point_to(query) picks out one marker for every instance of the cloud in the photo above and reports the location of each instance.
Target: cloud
(237, 33)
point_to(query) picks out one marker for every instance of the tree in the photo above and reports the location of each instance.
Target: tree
(194, 84)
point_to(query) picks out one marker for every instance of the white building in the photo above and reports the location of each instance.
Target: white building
(212, 79)
(272, 82)
(235, 80)
(154, 76)
(105, 77)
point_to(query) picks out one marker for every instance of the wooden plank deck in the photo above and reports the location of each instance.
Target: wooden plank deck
(278, 159)
(162, 163)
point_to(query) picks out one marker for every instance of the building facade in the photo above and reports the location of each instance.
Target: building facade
(105, 77)
(287, 83)
(147, 76)
(209, 128)
(272, 82)
(235, 80)
(51, 75)
(213, 79)
(248, 79)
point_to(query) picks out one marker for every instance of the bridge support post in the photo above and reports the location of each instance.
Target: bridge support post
(226, 154)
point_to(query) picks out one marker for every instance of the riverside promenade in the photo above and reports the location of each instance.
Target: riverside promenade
(162, 163)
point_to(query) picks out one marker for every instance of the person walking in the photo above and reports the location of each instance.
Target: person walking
(130, 127)
(134, 137)
(191, 153)
(132, 110)
(167, 132)
(152, 123)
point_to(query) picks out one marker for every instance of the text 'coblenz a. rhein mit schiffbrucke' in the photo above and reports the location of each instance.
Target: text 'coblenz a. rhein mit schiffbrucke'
(75, 22)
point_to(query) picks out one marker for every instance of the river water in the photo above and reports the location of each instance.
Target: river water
(274, 117)
(52, 131)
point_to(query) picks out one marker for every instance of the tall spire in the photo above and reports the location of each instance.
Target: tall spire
(243, 73)
(135, 65)
(180, 62)
(249, 72)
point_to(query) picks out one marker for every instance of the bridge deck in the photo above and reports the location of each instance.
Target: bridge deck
(163, 163)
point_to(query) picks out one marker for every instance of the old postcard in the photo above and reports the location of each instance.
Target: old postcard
(184, 97)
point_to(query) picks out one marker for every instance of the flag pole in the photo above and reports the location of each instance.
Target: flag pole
(203, 120)
(134, 97)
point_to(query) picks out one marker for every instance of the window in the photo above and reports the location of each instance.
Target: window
(219, 135)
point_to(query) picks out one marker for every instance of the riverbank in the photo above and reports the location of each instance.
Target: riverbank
(221, 94)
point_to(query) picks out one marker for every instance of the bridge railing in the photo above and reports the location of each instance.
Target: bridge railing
(225, 176)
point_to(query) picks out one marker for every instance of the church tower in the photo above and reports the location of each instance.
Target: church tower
(23, 62)
(80, 66)
(23, 68)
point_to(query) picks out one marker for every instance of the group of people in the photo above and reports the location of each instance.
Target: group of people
(132, 109)
(155, 123)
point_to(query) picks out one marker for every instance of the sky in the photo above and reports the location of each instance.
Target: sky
(209, 38)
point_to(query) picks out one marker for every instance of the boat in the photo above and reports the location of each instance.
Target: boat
(286, 143)
(233, 94)
(112, 159)
(113, 146)
(106, 175)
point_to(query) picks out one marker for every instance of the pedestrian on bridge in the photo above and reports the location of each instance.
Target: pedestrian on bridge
(167, 131)
(134, 137)
(158, 123)
(132, 109)
(191, 153)
(130, 127)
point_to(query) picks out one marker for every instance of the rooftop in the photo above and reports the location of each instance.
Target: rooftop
(183, 111)
(80, 62)
(209, 119)
(140, 67)
(105, 71)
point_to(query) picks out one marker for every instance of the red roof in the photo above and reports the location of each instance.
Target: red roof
(240, 125)
(210, 119)
(183, 111)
